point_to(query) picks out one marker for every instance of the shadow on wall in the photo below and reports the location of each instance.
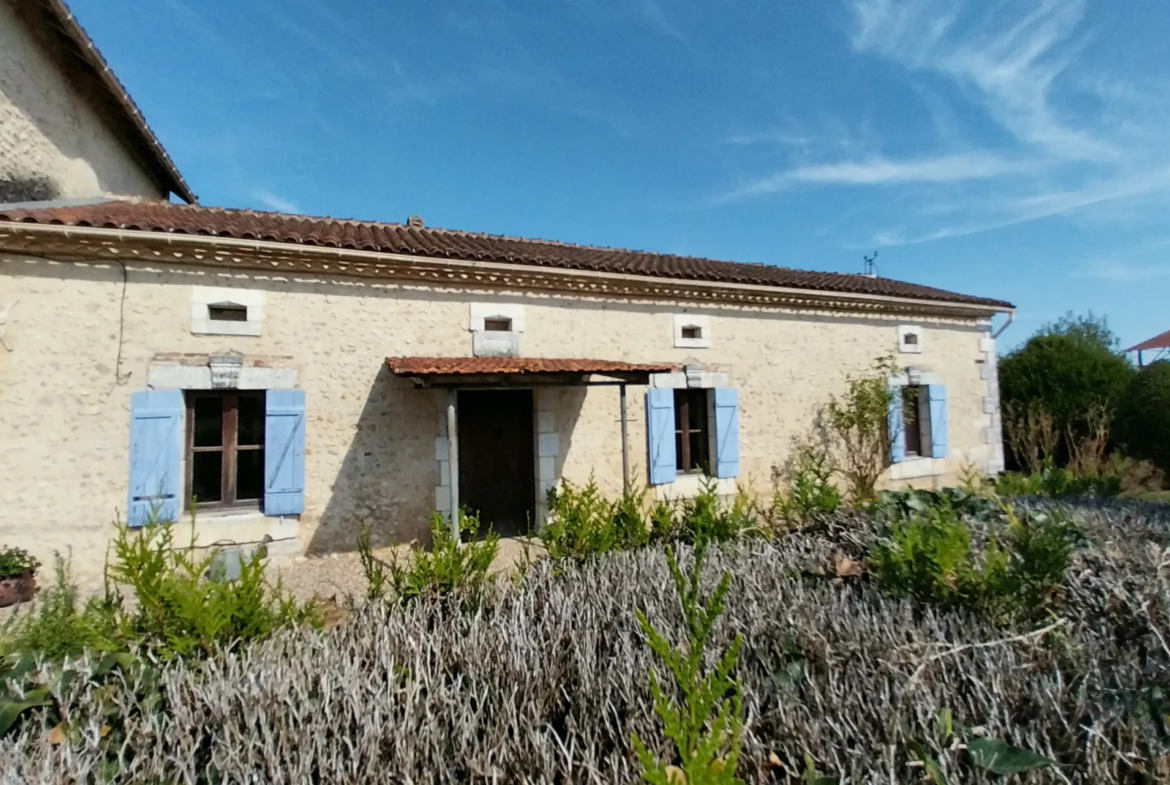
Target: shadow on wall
(388, 475)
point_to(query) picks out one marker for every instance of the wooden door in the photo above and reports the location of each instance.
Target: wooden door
(496, 463)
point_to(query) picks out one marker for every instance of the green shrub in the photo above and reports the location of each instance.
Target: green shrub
(1067, 369)
(891, 505)
(450, 566)
(705, 721)
(15, 562)
(811, 490)
(176, 608)
(705, 517)
(1143, 416)
(583, 523)
(664, 522)
(929, 557)
(181, 605)
(55, 627)
(1119, 475)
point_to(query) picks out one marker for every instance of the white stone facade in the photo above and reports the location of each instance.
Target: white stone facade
(84, 337)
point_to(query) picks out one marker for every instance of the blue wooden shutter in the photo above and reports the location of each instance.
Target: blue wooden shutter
(897, 429)
(726, 432)
(938, 420)
(156, 456)
(660, 436)
(284, 453)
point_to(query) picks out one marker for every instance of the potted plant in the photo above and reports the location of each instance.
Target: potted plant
(18, 580)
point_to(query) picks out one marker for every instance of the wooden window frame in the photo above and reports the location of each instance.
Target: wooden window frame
(229, 446)
(916, 428)
(683, 400)
(497, 324)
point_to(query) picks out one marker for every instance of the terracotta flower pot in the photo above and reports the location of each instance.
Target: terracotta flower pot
(17, 589)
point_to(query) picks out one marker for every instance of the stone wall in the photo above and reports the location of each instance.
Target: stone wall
(53, 144)
(80, 338)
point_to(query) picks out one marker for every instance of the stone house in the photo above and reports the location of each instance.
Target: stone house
(298, 376)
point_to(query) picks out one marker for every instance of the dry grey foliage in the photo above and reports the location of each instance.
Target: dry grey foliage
(548, 682)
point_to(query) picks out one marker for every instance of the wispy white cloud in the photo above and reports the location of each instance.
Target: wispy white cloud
(1069, 140)
(1121, 271)
(883, 171)
(656, 16)
(274, 202)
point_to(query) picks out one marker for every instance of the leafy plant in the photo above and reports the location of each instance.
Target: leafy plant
(374, 568)
(54, 627)
(705, 723)
(1066, 369)
(450, 566)
(583, 523)
(1143, 416)
(951, 738)
(811, 489)
(15, 562)
(705, 517)
(929, 557)
(181, 606)
(858, 423)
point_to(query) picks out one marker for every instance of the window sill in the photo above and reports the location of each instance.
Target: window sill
(688, 486)
(913, 468)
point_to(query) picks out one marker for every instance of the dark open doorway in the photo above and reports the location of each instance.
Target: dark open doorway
(496, 469)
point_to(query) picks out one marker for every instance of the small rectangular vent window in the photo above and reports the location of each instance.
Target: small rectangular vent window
(692, 333)
(497, 325)
(910, 339)
(227, 312)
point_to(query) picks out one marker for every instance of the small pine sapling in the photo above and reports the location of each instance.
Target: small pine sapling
(706, 724)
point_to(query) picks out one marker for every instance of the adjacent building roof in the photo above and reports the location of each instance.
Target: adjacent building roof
(1157, 342)
(420, 241)
(514, 366)
(93, 77)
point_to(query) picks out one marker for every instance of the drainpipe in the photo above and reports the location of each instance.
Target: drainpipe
(625, 443)
(1011, 317)
(453, 457)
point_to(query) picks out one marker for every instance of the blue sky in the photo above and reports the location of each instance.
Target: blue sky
(1018, 149)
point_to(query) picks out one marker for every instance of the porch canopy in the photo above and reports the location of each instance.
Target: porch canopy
(1158, 342)
(520, 371)
(464, 373)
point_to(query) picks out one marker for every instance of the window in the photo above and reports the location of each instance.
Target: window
(691, 430)
(225, 449)
(916, 421)
(692, 333)
(227, 312)
(497, 325)
(910, 339)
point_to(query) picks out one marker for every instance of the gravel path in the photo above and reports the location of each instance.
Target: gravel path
(336, 576)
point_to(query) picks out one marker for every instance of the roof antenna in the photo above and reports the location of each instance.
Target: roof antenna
(871, 265)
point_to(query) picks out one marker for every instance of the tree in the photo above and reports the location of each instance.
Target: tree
(857, 421)
(1070, 370)
(1143, 416)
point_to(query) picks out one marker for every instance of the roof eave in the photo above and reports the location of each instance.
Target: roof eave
(171, 178)
(85, 243)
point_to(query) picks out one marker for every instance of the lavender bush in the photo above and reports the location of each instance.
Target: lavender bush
(549, 682)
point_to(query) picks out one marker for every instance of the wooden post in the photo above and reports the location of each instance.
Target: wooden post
(453, 456)
(625, 443)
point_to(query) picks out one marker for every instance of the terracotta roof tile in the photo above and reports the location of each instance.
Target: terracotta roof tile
(158, 216)
(513, 366)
